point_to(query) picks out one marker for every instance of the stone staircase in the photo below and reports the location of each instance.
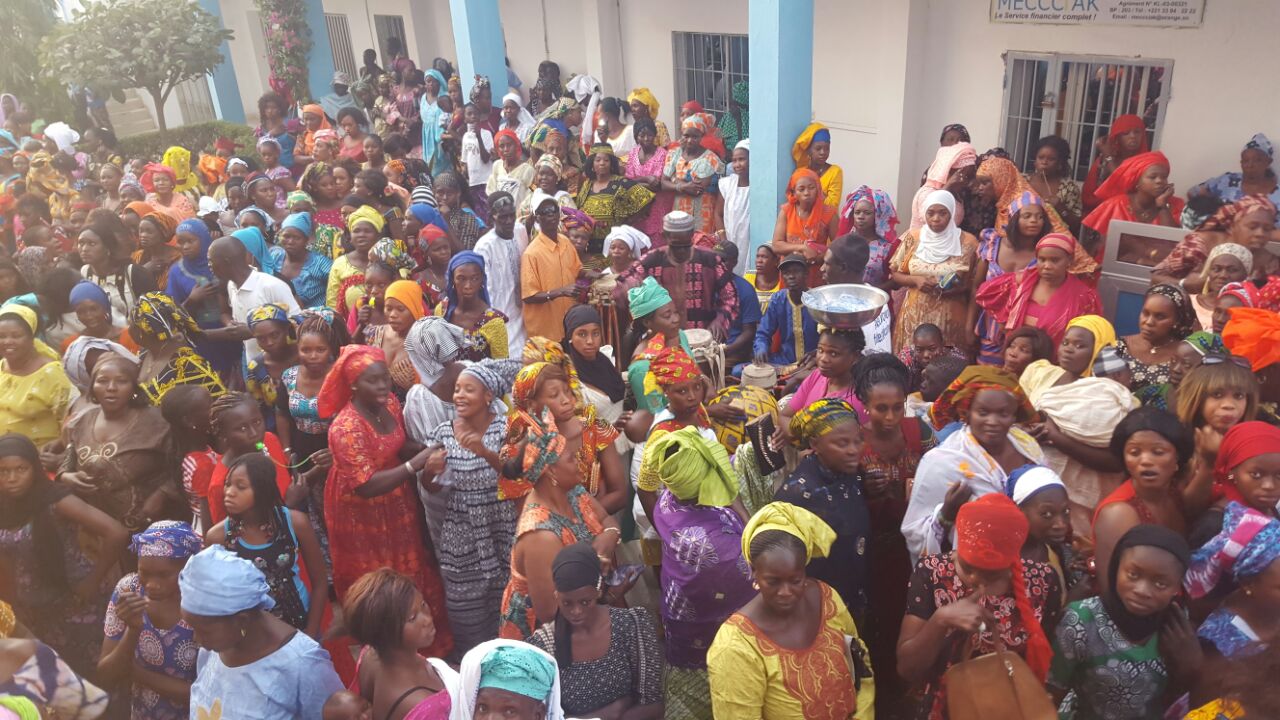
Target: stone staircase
(132, 116)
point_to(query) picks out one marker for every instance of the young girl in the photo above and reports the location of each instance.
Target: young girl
(1024, 346)
(240, 429)
(186, 409)
(477, 154)
(260, 529)
(1042, 497)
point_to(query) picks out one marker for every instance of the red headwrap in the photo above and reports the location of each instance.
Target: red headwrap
(990, 532)
(1126, 176)
(1128, 123)
(673, 365)
(335, 393)
(1225, 217)
(225, 144)
(953, 404)
(1060, 241)
(506, 132)
(692, 106)
(1242, 442)
(1254, 334)
(150, 171)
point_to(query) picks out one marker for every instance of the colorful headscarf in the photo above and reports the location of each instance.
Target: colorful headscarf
(1254, 334)
(298, 196)
(695, 468)
(647, 298)
(1242, 442)
(949, 158)
(156, 318)
(495, 375)
(793, 520)
(1125, 178)
(1185, 318)
(1104, 334)
(1225, 217)
(810, 226)
(431, 343)
(218, 583)
(166, 223)
(526, 379)
(392, 253)
(575, 219)
(178, 160)
(199, 266)
(1205, 342)
(543, 447)
(958, 128)
(886, 214)
(819, 418)
(364, 213)
(953, 404)
(255, 243)
(1260, 142)
(335, 393)
(673, 366)
(167, 539)
(507, 133)
(523, 670)
(550, 161)
(409, 294)
(702, 122)
(540, 349)
(1026, 481)
(1245, 547)
(273, 312)
(990, 532)
(1246, 292)
(466, 257)
(212, 168)
(800, 148)
(647, 99)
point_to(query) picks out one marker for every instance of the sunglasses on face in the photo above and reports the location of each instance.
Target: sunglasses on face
(1219, 358)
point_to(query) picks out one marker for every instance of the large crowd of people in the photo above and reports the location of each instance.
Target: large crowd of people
(431, 406)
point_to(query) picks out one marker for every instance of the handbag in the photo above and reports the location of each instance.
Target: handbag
(996, 685)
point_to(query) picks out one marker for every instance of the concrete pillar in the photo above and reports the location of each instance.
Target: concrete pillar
(320, 67)
(602, 40)
(224, 90)
(780, 42)
(477, 35)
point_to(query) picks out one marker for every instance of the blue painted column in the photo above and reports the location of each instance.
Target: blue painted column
(780, 43)
(223, 87)
(477, 36)
(320, 65)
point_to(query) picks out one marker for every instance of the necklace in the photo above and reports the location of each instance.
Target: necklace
(1154, 349)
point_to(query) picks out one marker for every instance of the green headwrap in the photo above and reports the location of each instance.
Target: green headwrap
(694, 467)
(521, 670)
(646, 298)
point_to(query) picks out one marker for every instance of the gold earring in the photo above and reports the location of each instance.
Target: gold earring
(755, 585)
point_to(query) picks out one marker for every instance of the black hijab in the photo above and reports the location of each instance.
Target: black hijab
(36, 507)
(1138, 628)
(599, 373)
(576, 566)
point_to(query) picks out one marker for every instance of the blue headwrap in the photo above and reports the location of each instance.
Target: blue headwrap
(256, 243)
(167, 539)
(431, 116)
(522, 670)
(200, 265)
(1248, 543)
(466, 257)
(89, 290)
(823, 135)
(300, 221)
(217, 583)
(428, 215)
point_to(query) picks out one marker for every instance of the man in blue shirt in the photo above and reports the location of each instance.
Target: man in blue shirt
(742, 332)
(784, 316)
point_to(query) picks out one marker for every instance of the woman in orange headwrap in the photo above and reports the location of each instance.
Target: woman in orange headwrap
(958, 600)
(1128, 137)
(805, 223)
(314, 119)
(1138, 191)
(370, 503)
(1254, 333)
(157, 250)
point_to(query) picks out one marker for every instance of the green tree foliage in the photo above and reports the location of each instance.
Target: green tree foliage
(149, 44)
(26, 22)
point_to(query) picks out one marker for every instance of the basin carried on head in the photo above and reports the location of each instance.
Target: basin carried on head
(862, 304)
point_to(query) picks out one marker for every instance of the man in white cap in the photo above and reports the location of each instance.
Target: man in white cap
(339, 98)
(549, 271)
(699, 282)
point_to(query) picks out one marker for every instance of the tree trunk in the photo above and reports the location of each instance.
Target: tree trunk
(158, 98)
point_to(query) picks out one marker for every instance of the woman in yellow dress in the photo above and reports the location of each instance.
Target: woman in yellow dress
(762, 664)
(34, 389)
(811, 150)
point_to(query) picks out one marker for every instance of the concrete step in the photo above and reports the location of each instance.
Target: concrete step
(132, 116)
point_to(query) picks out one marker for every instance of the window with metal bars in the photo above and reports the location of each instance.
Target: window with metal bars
(344, 59)
(706, 68)
(387, 27)
(1077, 97)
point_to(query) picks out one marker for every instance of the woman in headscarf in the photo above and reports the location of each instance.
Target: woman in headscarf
(318, 182)
(118, 450)
(1256, 177)
(998, 179)
(973, 461)
(1248, 222)
(756, 669)
(102, 249)
(467, 305)
(370, 507)
(92, 309)
(1254, 333)
(57, 591)
(156, 249)
(704, 578)
(644, 106)
(306, 272)
(690, 170)
(402, 305)
(277, 339)
(1138, 191)
(465, 227)
(609, 198)
(547, 179)
(1046, 295)
(953, 168)
(735, 125)
(161, 184)
(1226, 263)
(870, 215)
(49, 184)
(1166, 318)
(933, 263)
(811, 151)
(512, 173)
(1239, 560)
(347, 274)
(805, 224)
(602, 386)
(509, 679)
(1079, 413)
(313, 121)
(984, 579)
(655, 313)
(1126, 139)
(1246, 457)
(164, 332)
(1109, 659)
(144, 626)
(829, 483)
(192, 285)
(479, 524)
(557, 512)
(644, 164)
(34, 390)
(280, 176)
(226, 601)
(516, 118)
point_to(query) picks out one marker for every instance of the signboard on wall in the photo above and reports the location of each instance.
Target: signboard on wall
(1153, 13)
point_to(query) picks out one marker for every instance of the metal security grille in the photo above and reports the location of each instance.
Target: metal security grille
(706, 68)
(340, 43)
(1077, 97)
(194, 100)
(387, 27)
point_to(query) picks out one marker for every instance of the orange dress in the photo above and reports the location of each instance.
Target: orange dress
(814, 235)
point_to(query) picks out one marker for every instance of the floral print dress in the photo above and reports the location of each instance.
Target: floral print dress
(170, 652)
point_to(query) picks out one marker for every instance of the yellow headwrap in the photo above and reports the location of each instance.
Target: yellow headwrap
(694, 467)
(1103, 335)
(178, 159)
(816, 535)
(646, 97)
(33, 321)
(364, 213)
(800, 148)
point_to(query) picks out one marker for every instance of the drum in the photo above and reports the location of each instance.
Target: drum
(761, 376)
(753, 401)
(706, 351)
